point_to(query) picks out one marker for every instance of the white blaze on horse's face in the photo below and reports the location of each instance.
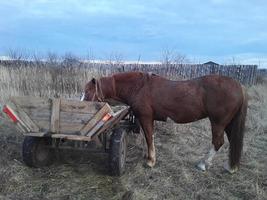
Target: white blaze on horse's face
(82, 96)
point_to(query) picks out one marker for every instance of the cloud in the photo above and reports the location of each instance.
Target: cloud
(213, 28)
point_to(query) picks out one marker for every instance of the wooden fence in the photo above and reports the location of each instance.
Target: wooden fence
(246, 74)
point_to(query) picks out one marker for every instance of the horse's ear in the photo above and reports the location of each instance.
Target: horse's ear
(93, 80)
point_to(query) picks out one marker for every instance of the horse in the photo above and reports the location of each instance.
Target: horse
(151, 97)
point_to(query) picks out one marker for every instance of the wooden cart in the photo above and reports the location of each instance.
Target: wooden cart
(48, 123)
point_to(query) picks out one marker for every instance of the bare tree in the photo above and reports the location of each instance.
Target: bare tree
(232, 61)
(115, 58)
(70, 59)
(169, 56)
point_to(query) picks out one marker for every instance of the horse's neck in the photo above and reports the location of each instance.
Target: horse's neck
(107, 86)
(127, 87)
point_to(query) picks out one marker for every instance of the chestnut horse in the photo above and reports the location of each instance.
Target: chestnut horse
(152, 97)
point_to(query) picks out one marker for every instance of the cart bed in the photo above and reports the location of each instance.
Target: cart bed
(63, 118)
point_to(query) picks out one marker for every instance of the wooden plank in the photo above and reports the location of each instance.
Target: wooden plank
(70, 128)
(96, 118)
(20, 124)
(39, 134)
(39, 114)
(43, 124)
(23, 118)
(38, 110)
(73, 122)
(31, 102)
(71, 137)
(99, 124)
(72, 117)
(21, 128)
(55, 116)
(65, 117)
(80, 106)
(113, 121)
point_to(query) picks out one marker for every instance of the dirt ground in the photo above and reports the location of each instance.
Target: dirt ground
(77, 175)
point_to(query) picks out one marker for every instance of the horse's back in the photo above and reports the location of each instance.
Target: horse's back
(175, 98)
(191, 100)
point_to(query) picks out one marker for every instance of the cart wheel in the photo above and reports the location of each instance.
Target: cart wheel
(36, 151)
(117, 153)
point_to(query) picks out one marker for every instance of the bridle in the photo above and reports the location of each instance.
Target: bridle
(98, 95)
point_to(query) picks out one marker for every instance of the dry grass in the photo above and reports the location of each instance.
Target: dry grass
(44, 79)
(78, 175)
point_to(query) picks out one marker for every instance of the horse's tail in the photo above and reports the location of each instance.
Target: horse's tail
(236, 132)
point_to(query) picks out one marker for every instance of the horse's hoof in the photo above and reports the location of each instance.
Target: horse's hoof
(229, 169)
(201, 166)
(150, 163)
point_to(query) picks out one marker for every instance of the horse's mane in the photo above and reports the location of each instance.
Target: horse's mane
(134, 75)
(135, 80)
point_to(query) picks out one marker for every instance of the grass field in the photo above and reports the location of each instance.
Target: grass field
(77, 175)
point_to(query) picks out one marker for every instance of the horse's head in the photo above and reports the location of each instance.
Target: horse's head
(93, 91)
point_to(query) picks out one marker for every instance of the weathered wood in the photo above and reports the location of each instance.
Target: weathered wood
(75, 106)
(20, 124)
(70, 128)
(44, 118)
(21, 128)
(72, 120)
(97, 117)
(39, 134)
(43, 124)
(68, 121)
(23, 118)
(64, 127)
(113, 121)
(98, 125)
(39, 114)
(72, 117)
(26, 102)
(71, 137)
(55, 116)
(38, 110)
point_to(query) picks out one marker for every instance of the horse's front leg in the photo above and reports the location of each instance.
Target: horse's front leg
(147, 126)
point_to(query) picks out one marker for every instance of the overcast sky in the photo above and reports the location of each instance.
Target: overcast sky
(203, 30)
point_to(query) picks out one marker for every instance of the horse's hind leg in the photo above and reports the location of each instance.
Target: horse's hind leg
(217, 142)
(226, 166)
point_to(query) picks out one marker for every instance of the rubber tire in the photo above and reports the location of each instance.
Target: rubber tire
(117, 152)
(33, 148)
